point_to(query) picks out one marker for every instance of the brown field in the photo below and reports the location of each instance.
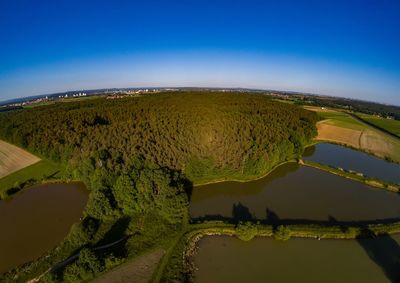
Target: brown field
(337, 134)
(13, 158)
(368, 139)
(139, 270)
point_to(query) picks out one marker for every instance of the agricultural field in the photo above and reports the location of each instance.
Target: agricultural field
(340, 127)
(392, 126)
(13, 158)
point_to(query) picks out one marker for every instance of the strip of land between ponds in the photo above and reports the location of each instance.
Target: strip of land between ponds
(352, 175)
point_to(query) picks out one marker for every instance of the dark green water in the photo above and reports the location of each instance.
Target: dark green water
(227, 259)
(349, 159)
(293, 192)
(35, 220)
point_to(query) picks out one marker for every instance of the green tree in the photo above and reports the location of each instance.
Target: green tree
(246, 231)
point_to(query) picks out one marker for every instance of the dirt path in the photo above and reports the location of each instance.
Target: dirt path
(139, 270)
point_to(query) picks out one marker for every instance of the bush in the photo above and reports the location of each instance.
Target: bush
(246, 231)
(282, 233)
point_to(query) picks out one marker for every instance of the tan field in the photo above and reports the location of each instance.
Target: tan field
(13, 158)
(337, 134)
(367, 139)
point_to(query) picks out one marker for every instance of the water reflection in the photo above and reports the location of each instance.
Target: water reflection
(349, 159)
(35, 220)
(296, 194)
(228, 259)
(384, 251)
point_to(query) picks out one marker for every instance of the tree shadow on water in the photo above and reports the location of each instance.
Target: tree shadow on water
(241, 213)
(271, 217)
(384, 251)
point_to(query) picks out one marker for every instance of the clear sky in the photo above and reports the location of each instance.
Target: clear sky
(343, 48)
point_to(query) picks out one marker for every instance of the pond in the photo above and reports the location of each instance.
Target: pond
(294, 193)
(228, 259)
(350, 159)
(35, 220)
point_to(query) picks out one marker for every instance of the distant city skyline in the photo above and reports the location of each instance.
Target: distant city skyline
(339, 48)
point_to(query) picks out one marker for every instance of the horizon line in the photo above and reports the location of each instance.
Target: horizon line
(200, 88)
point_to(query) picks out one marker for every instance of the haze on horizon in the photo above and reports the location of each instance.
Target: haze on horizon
(340, 48)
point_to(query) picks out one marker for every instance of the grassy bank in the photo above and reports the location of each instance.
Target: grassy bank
(38, 172)
(359, 177)
(236, 177)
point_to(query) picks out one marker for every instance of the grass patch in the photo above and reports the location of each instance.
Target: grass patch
(389, 125)
(39, 171)
(339, 119)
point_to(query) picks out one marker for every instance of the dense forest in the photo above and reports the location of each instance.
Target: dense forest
(139, 156)
(192, 132)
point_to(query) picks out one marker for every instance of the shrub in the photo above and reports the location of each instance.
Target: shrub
(282, 233)
(246, 231)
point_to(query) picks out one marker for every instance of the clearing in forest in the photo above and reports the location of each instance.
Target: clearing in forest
(13, 158)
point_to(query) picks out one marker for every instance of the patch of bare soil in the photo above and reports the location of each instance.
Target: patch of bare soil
(139, 270)
(336, 134)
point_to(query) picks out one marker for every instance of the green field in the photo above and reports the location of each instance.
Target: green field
(392, 126)
(340, 119)
(42, 170)
(45, 103)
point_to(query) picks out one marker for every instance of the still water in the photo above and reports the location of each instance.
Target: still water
(350, 159)
(34, 221)
(293, 192)
(228, 259)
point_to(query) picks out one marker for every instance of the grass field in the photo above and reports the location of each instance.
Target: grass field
(392, 126)
(36, 172)
(29, 106)
(13, 158)
(340, 127)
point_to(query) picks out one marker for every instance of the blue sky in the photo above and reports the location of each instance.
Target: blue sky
(343, 48)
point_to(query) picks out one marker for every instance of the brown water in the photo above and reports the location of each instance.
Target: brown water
(293, 192)
(35, 220)
(227, 259)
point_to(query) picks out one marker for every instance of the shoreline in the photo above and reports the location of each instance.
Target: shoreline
(38, 183)
(186, 245)
(254, 178)
(373, 182)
